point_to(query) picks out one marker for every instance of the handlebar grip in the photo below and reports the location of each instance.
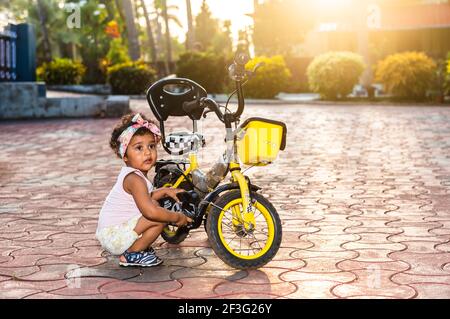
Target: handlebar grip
(191, 106)
(241, 59)
(213, 106)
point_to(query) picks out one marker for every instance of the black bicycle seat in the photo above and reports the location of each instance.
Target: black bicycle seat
(166, 98)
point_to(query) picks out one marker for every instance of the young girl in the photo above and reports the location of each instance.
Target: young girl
(131, 219)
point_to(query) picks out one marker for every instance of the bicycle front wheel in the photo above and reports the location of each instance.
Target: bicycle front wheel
(237, 246)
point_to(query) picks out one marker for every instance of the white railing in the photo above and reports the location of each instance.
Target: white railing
(8, 55)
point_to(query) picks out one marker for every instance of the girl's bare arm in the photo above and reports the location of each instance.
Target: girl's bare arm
(136, 186)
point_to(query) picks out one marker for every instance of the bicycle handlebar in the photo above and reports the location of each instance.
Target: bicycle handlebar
(192, 106)
(209, 103)
(213, 106)
(239, 73)
(203, 103)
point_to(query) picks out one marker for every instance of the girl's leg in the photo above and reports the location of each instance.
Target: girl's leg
(150, 231)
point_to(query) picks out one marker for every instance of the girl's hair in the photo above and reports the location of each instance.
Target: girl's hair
(125, 122)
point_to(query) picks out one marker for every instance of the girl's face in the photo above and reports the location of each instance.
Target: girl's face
(141, 152)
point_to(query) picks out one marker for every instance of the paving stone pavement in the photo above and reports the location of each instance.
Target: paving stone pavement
(363, 194)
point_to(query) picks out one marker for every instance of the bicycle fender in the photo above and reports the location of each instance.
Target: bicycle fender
(213, 195)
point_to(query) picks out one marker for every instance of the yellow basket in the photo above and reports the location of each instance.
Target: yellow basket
(259, 141)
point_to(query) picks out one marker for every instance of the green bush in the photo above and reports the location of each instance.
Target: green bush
(298, 67)
(447, 82)
(270, 79)
(407, 75)
(206, 68)
(61, 72)
(130, 78)
(117, 53)
(334, 74)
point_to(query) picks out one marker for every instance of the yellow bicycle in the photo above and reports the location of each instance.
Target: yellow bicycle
(243, 227)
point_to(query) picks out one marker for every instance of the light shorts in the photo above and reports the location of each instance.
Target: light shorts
(117, 239)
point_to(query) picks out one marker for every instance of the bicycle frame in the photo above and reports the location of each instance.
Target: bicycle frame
(226, 209)
(193, 164)
(247, 218)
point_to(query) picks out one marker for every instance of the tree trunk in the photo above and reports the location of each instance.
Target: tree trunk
(136, 12)
(363, 43)
(168, 37)
(136, 18)
(190, 37)
(109, 9)
(46, 39)
(133, 41)
(151, 40)
(159, 38)
(120, 10)
(122, 18)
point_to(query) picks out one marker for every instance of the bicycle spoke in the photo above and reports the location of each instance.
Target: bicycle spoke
(232, 240)
(244, 249)
(220, 208)
(240, 243)
(260, 232)
(232, 216)
(230, 227)
(230, 220)
(253, 249)
(257, 241)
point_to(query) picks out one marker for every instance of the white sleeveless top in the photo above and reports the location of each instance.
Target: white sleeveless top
(119, 206)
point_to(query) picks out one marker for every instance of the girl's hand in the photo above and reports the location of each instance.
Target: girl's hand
(172, 193)
(183, 220)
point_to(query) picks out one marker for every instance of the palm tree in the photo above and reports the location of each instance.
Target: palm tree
(163, 10)
(159, 36)
(151, 40)
(190, 37)
(363, 43)
(120, 10)
(168, 37)
(132, 34)
(109, 5)
(43, 22)
(206, 27)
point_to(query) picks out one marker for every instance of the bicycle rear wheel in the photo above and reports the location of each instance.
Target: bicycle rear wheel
(173, 234)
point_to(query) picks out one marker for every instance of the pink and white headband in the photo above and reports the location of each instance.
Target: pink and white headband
(126, 135)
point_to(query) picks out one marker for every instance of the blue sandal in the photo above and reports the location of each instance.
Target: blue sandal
(141, 259)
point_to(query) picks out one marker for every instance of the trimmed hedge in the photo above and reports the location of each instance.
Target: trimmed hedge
(206, 68)
(61, 72)
(131, 78)
(334, 74)
(117, 53)
(447, 83)
(270, 79)
(407, 75)
(298, 67)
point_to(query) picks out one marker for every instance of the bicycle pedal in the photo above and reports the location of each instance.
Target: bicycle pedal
(188, 206)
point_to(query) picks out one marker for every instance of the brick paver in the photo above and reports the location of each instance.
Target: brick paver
(363, 193)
